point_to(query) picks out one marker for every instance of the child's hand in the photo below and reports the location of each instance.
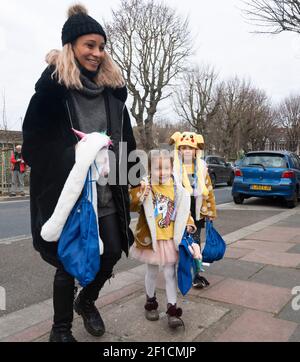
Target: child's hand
(197, 253)
(190, 229)
(144, 189)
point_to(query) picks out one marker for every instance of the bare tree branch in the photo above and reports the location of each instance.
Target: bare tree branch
(195, 99)
(150, 43)
(288, 116)
(275, 16)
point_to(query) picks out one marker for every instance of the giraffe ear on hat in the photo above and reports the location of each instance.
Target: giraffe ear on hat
(175, 136)
(200, 141)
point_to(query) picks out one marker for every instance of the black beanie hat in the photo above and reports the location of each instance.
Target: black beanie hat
(79, 23)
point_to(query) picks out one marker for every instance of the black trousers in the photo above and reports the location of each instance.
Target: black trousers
(64, 284)
(200, 224)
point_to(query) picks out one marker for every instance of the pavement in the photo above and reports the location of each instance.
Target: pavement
(254, 295)
(18, 197)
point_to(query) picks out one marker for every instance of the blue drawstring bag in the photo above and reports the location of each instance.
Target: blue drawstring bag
(215, 246)
(78, 246)
(185, 264)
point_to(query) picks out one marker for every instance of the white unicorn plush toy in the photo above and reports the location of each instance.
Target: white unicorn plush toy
(91, 150)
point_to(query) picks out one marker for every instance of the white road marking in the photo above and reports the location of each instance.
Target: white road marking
(9, 241)
(12, 202)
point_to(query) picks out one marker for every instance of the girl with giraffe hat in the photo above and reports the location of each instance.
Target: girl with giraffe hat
(191, 171)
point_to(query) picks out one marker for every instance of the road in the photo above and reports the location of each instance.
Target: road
(15, 219)
(28, 280)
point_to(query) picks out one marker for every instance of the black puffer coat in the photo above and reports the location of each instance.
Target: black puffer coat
(49, 149)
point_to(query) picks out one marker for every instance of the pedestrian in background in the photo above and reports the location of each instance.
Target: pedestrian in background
(18, 170)
(82, 89)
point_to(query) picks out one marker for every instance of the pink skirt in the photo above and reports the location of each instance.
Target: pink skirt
(165, 253)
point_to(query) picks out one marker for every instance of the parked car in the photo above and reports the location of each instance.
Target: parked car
(268, 174)
(237, 163)
(219, 170)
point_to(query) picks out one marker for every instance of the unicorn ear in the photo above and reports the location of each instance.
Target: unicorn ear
(175, 136)
(79, 133)
(200, 141)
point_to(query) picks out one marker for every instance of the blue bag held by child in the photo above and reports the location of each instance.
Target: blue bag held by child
(185, 264)
(215, 246)
(78, 247)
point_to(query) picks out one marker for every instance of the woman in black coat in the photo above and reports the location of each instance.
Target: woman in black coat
(82, 88)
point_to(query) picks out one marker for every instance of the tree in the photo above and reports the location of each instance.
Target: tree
(275, 16)
(243, 120)
(233, 96)
(260, 122)
(196, 101)
(151, 43)
(289, 118)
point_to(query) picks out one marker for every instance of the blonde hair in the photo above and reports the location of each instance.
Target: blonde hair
(67, 71)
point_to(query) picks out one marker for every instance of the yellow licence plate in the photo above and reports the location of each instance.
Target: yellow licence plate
(261, 187)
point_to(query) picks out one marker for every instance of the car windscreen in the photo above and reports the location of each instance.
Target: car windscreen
(265, 160)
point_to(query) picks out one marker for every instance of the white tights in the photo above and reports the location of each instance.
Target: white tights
(170, 279)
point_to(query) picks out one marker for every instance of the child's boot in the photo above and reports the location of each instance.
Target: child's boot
(151, 312)
(174, 315)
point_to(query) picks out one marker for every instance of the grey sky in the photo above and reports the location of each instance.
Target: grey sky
(29, 29)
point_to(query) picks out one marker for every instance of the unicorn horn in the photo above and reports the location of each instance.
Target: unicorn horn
(79, 133)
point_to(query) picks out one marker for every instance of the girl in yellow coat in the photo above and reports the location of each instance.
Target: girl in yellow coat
(192, 172)
(164, 214)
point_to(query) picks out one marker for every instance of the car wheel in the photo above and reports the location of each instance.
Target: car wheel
(230, 182)
(213, 180)
(293, 203)
(238, 199)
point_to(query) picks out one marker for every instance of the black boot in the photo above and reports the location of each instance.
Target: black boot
(61, 333)
(63, 299)
(92, 320)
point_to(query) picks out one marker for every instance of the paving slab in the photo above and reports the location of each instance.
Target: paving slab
(30, 334)
(289, 313)
(128, 321)
(250, 295)
(213, 332)
(287, 260)
(278, 276)
(296, 335)
(261, 245)
(295, 240)
(254, 326)
(31, 323)
(238, 269)
(18, 321)
(233, 252)
(294, 249)
(275, 234)
(292, 221)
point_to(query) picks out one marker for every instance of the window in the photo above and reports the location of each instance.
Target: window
(214, 161)
(222, 162)
(267, 160)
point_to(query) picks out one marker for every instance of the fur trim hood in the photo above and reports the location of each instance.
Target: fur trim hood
(50, 85)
